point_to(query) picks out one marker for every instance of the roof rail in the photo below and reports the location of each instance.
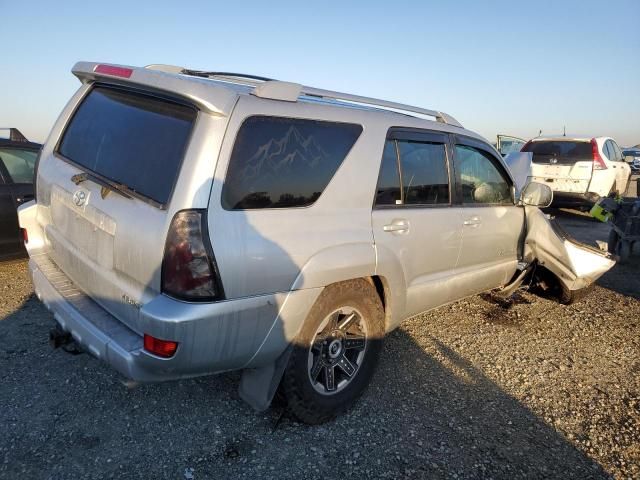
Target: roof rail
(15, 135)
(277, 90)
(384, 104)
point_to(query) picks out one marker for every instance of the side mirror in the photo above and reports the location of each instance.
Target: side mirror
(536, 195)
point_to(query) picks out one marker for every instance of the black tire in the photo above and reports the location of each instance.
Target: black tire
(303, 400)
(568, 297)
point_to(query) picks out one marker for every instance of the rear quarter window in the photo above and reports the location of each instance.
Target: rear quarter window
(130, 138)
(284, 162)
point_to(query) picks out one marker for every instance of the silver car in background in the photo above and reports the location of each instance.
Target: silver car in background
(189, 223)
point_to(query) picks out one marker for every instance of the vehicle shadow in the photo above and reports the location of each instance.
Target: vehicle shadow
(429, 413)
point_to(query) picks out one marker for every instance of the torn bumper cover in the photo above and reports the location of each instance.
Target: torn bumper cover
(575, 264)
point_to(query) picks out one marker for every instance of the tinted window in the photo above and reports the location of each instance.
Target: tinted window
(388, 192)
(284, 162)
(425, 179)
(19, 164)
(482, 182)
(608, 150)
(130, 138)
(617, 151)
(563, 152)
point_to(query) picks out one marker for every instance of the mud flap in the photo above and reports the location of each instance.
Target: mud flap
(575, 264)
(259, 385)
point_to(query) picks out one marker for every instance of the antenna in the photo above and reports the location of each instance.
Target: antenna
(540, 132)
(564, 131)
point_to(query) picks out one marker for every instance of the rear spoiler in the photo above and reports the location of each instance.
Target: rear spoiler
(207, 96)
(16, 135)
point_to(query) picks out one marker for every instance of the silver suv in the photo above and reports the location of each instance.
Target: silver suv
(189, 223)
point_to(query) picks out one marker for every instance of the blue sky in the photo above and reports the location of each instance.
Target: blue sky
(497, 66)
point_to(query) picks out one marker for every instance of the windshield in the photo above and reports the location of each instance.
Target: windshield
(133, 139)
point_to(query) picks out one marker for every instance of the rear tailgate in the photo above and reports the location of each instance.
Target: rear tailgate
(564, 165)
(118, 165)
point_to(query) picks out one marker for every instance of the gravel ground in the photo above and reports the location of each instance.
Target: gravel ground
(470, 390)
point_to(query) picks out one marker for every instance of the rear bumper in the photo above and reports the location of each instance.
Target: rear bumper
(213, 337)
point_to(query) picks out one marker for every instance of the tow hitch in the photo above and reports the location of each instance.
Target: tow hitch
(60, 338)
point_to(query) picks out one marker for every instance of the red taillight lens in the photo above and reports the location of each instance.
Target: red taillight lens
(161, 348)
(25, 235)
(188, 267)
(113, 71)
(598, 162)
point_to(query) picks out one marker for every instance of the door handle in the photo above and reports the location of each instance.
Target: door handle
(472, 222)
(397, 226)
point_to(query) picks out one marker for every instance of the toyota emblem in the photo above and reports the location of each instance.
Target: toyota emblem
(79, 198)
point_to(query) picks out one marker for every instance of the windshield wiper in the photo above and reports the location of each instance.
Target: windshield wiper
(106, 186)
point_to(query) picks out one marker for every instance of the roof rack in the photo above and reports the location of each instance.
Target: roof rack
(15, 135)
(384, 104)
(277, 90)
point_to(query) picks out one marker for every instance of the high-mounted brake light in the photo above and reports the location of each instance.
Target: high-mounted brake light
(161, 348)
(113, 71)
(188, 268)
(598, 162)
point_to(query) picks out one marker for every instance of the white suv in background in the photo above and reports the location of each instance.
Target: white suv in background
(576, 166)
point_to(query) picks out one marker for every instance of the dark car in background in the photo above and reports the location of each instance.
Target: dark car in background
(17, 163)
(632, 157)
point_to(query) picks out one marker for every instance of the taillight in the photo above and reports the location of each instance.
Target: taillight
(188, 269)
(25, 235)
(161, 348)
(113, 71)
(598, 162)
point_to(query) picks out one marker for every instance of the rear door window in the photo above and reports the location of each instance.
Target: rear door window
(133, 139)
(389, 191)
(19, 164)
(414, 172)
(618, 153)
(425, 179)
(561, 152)
(282, 162)
(608, 150)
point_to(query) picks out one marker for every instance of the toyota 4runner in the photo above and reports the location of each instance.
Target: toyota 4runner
(189, 223)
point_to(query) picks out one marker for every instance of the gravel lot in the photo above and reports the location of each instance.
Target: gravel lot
(471, 390)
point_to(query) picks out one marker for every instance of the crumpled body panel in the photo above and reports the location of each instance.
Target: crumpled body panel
(575, 264)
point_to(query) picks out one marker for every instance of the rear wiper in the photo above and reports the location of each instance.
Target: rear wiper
(106, 186)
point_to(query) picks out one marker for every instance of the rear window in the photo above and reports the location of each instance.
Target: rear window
(284, 162)
(130, 138)
(559, 151)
